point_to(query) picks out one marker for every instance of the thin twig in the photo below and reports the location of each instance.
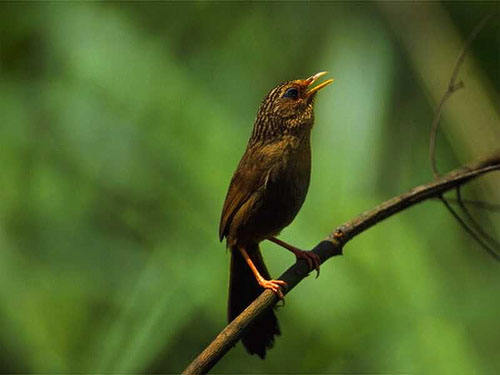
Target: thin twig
(333, 246)
(477, 235)
(452, 87)
(477, 227)
(466, 227)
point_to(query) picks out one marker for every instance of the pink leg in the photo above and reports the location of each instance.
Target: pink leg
(312, 258)
(274, 285)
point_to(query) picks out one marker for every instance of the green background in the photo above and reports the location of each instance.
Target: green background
(121, 125)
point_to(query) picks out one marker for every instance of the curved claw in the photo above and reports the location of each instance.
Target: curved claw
(274, 286)
(311, 258)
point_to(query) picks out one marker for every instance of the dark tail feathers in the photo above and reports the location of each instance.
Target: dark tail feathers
(243, 289)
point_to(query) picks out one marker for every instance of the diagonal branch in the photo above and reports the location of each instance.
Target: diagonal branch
(332, 246)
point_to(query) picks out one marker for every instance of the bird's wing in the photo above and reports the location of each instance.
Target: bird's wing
(251, 174)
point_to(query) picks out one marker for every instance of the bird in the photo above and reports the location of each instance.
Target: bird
(265, 194)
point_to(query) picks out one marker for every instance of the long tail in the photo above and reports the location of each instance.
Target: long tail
(243, 289)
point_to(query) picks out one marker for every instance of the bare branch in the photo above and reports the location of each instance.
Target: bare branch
(332, 246)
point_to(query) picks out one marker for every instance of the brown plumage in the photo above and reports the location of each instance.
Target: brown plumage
(264, 196)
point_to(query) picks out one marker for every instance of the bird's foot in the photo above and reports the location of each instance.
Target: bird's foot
(274, 286)
(310, 257)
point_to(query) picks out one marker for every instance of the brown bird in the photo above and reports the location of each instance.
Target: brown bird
(264, 196)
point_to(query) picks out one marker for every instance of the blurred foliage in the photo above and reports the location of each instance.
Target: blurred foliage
(120, 127)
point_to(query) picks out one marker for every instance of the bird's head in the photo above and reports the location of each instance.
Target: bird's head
(288, 107)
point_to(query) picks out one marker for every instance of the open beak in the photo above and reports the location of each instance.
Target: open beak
(313, 79)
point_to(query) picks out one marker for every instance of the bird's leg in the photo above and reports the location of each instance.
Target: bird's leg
(311, 257)
(274, 285)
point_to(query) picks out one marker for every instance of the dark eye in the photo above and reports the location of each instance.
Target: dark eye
(291, 93)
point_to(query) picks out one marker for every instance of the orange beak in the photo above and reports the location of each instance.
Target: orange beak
(313, 79)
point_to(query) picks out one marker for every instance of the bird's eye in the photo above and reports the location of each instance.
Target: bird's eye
(291, 93)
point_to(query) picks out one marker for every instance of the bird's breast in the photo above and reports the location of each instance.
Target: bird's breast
(287, 187)
(285, 167)
(296, 175)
